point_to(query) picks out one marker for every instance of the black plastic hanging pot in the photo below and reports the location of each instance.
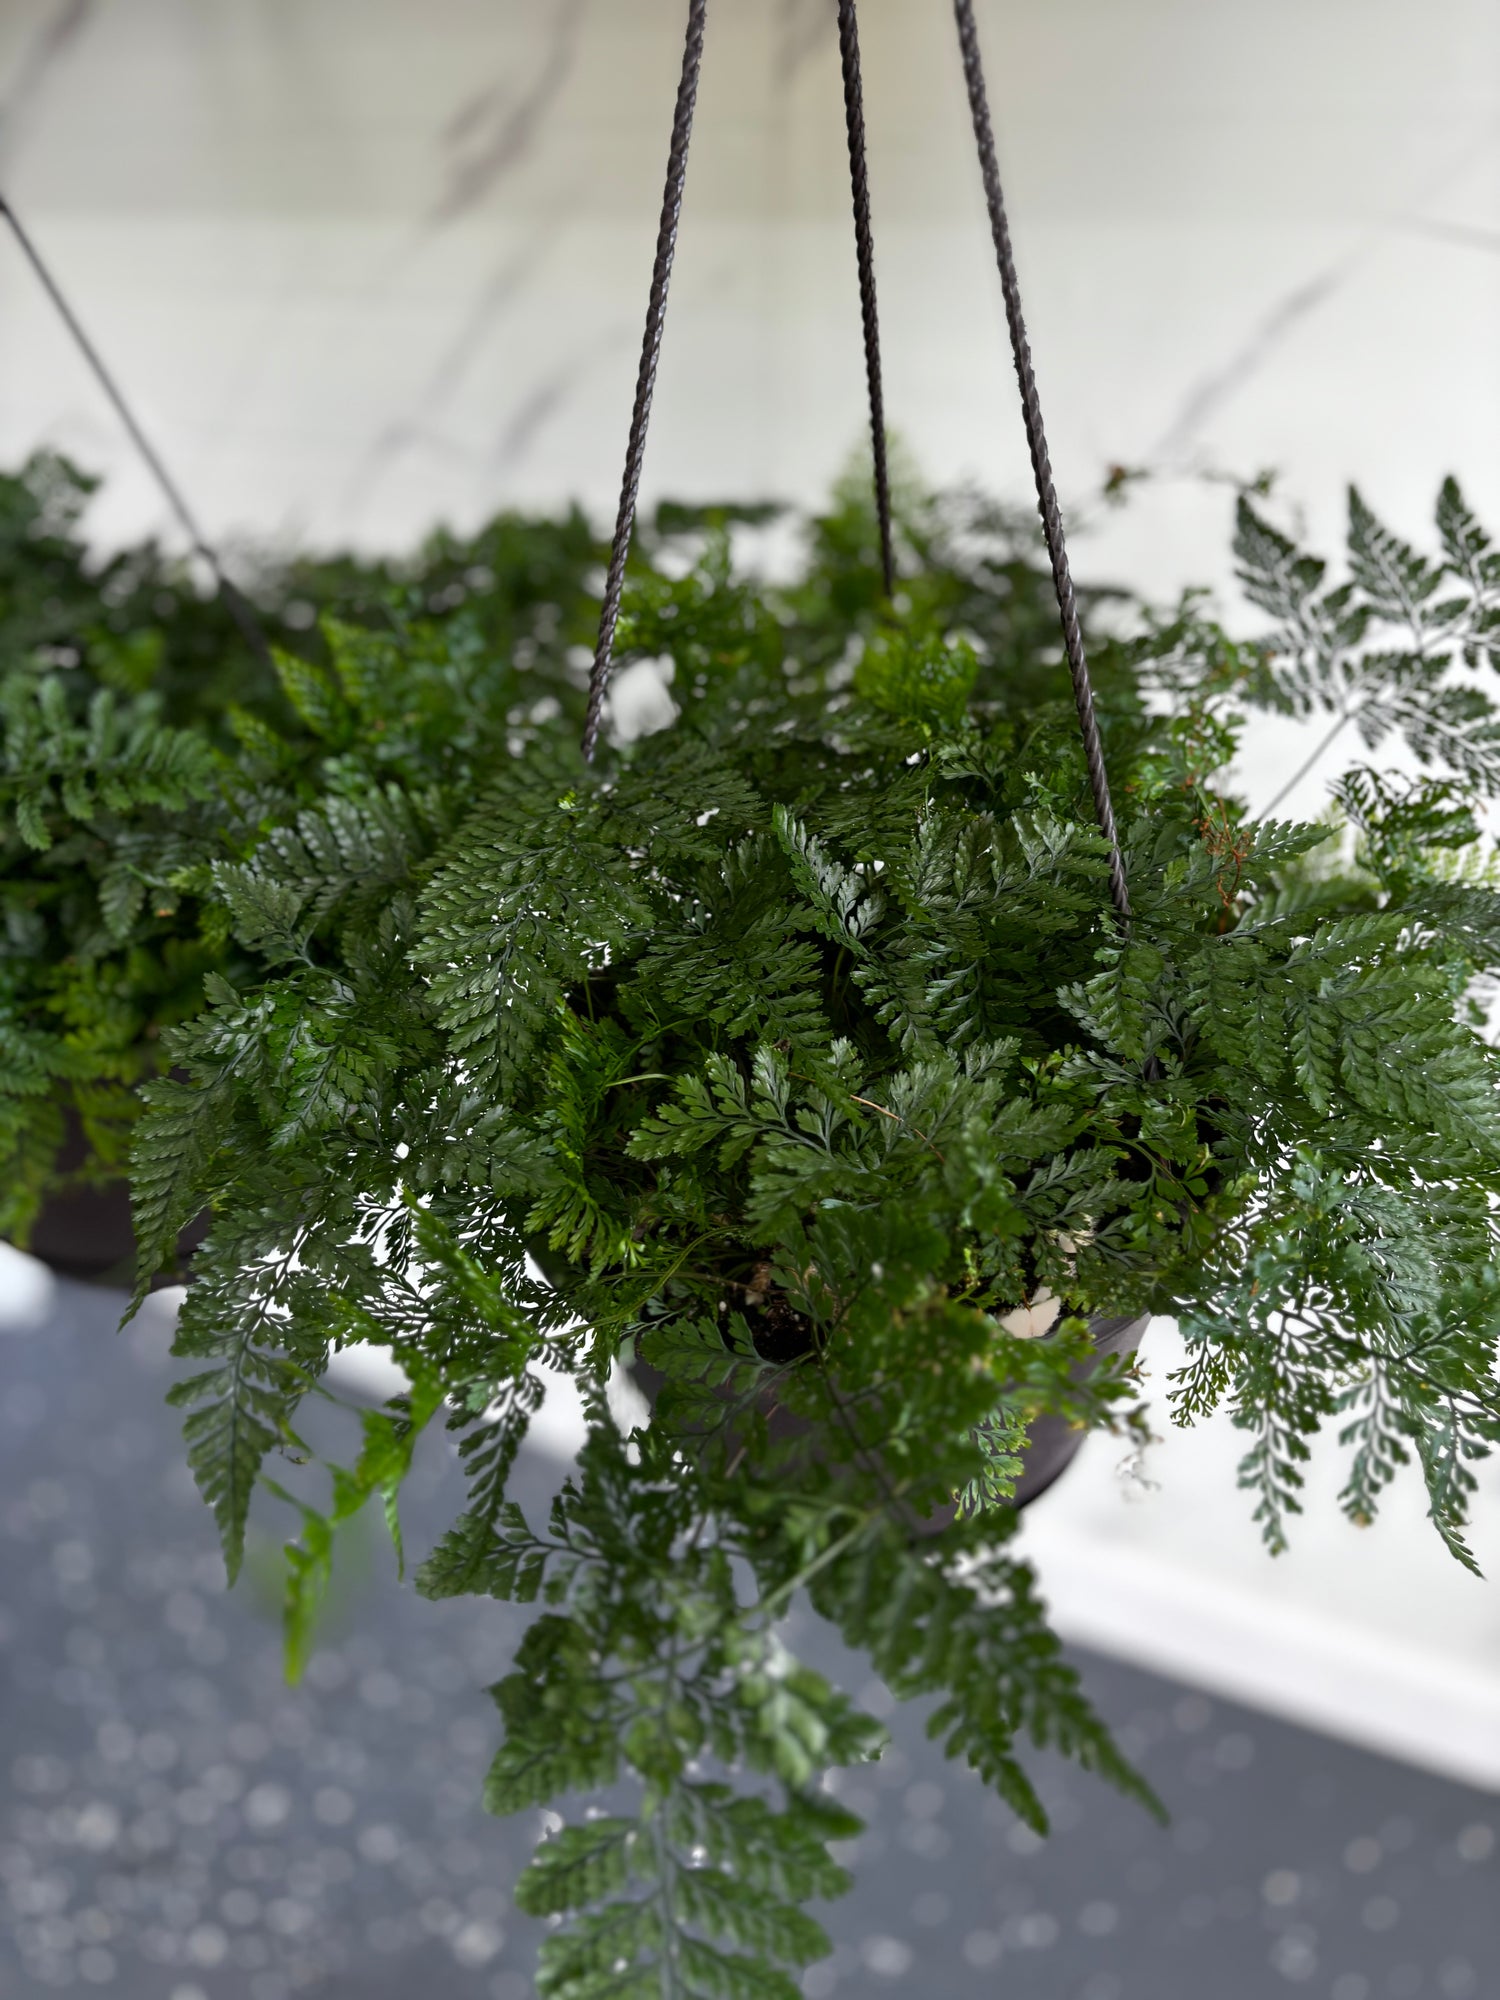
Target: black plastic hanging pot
(1052, 1442)
(84, 1230)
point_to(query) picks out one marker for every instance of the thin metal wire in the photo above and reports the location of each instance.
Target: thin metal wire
(656, 315)
(1036, 438)
(234, 602)
(864, 241)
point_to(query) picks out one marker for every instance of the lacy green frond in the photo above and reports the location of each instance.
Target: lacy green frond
(778, 1059)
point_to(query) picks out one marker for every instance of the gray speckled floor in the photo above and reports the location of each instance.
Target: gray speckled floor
(177, 1825)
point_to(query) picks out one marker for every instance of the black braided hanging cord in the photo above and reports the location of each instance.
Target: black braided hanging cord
(864, 243)
(1036, 438)
(235, 603)
(656, 318)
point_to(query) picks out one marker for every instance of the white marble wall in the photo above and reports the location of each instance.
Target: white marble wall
(368, 263)
(364, 263)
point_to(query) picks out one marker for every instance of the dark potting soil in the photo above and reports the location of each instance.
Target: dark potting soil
(176, 1824)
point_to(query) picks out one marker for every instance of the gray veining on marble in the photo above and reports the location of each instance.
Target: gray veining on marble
(49, 46)
(1211, 392)
(803, 25)
(492, 131)
(1466, 233)
(549, 396)
(1287, 313)
(521, 265)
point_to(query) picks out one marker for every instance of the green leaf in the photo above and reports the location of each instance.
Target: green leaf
(238, 1406)
(175, 1148)
(920, 679)
(486, 1558)
(1395, 579)
(314, 696)
(390, 1438)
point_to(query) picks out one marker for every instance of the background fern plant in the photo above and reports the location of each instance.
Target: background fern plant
(783, 1055)
(141, 739)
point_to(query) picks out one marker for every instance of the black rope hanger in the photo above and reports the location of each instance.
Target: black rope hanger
(656, 315)
(1031, 409)
(864, 244)
(1036, 439)
(645, 388)
(235, 602)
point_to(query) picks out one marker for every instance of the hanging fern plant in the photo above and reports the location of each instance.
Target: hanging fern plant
(795, 1055)
(139, 733)
(839, 1058)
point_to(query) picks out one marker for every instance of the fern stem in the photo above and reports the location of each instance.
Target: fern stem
(863, 1451)
(666, 1864)
(786, 1591)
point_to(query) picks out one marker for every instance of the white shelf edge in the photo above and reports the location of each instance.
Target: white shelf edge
(1323, 1673)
